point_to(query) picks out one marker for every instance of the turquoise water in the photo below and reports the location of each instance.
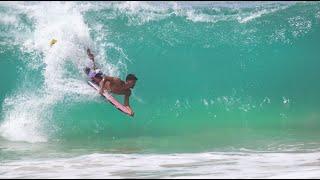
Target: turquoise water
(227, 77)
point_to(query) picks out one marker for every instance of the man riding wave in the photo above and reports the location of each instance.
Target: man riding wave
(111, 84)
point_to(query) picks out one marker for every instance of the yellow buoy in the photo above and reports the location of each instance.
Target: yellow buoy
(52, 42)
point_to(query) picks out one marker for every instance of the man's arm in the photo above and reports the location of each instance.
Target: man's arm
(91, 57)
(105, 82)
(126, 99)
(126, 102)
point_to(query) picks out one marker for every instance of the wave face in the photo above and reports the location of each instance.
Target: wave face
(211, 75)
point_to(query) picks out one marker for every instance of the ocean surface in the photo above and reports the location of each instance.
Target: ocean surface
(224, 90)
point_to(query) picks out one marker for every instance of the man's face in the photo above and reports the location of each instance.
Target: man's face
(132, 83)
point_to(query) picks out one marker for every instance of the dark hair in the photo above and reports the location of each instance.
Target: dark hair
(131, 77)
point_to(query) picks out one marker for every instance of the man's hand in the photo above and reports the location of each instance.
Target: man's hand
(88, 51)
(90, 55)
(101, 91)
(131, 112)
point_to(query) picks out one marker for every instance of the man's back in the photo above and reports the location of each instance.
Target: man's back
(117, 86)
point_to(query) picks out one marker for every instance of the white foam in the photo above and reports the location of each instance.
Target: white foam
(27, 112)
(300, 26)
(318, 15)
(200, 17)
(197, 16)
(24, 114)
(265, 100)
(177, 104)
(7, 19)
(258, 14)
(205, 102)
(279, 36)
(204, 165)
(141, 12)
(110, 66)
(285, 100)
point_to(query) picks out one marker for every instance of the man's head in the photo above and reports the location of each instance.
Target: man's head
(131, 80)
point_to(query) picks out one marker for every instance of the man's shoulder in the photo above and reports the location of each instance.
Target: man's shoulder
(116, 79)
(110, 78)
